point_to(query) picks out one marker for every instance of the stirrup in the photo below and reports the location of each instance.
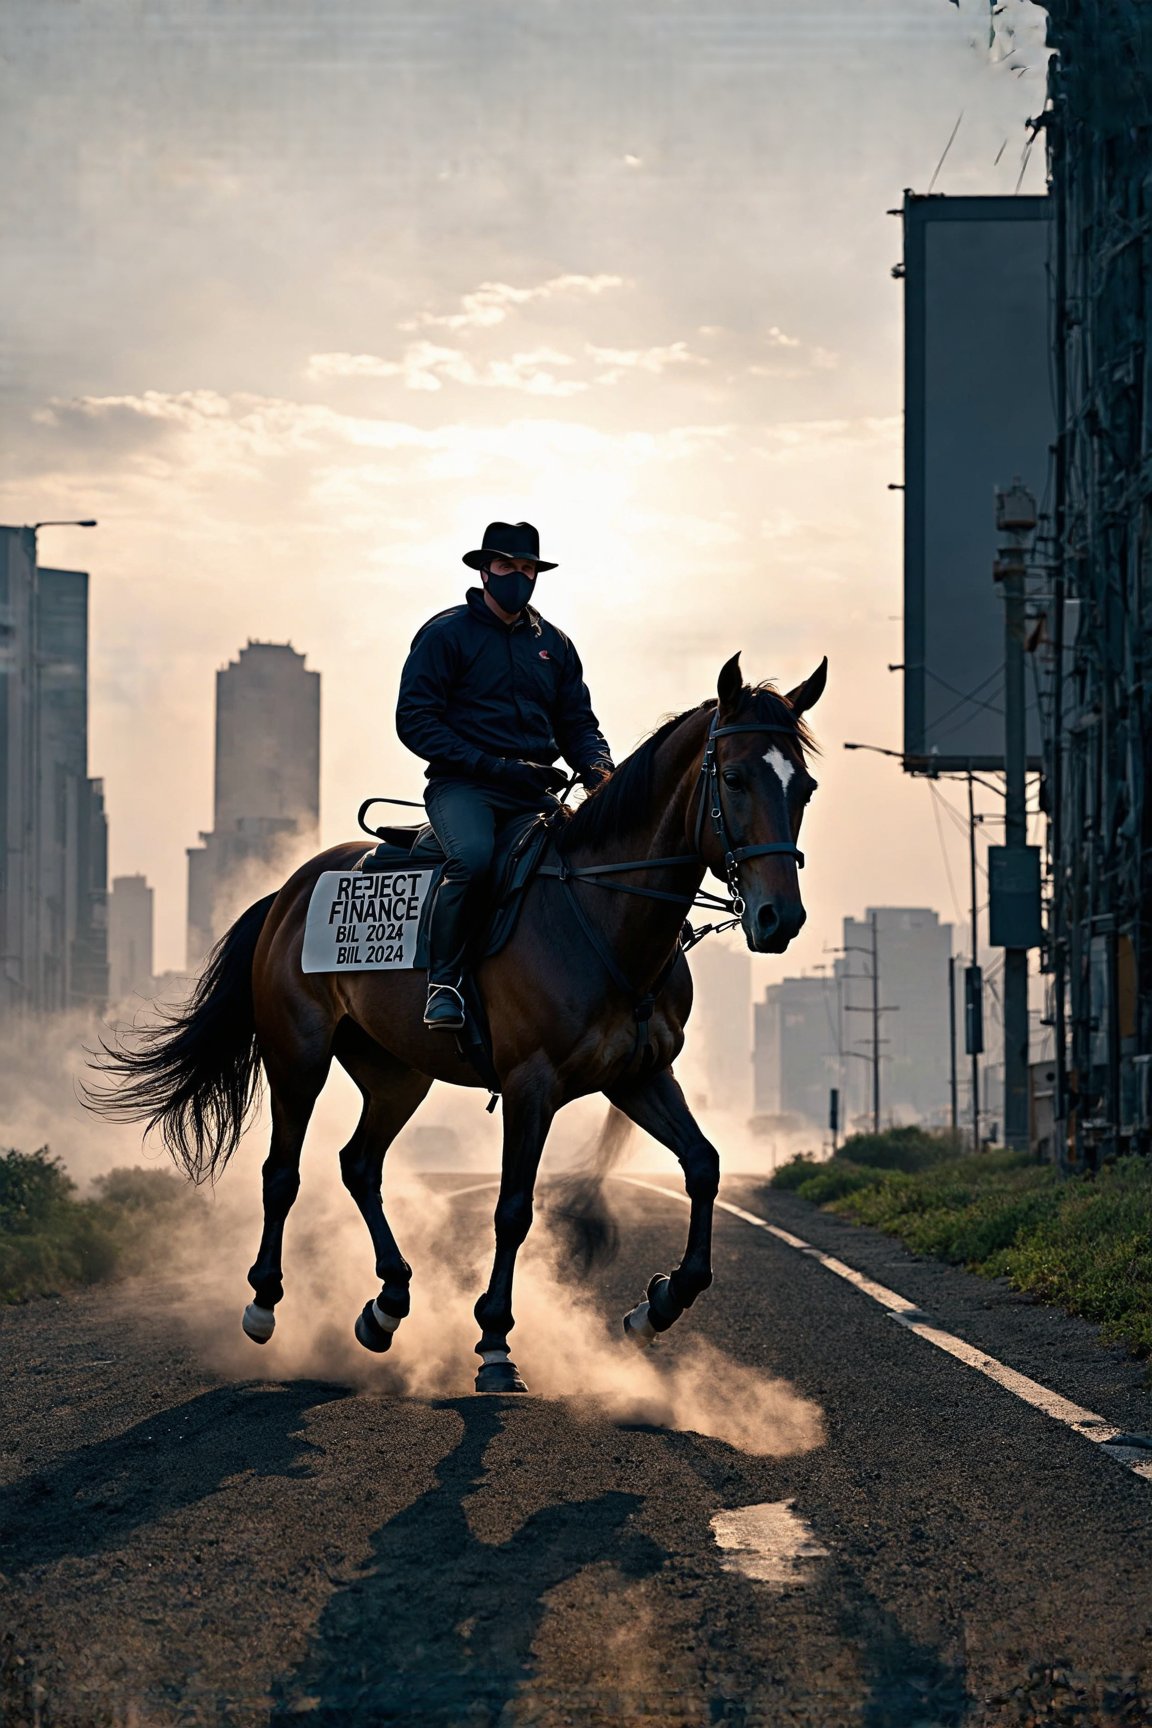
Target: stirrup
(436, 992)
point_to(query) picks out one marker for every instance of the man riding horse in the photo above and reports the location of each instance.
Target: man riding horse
(490, 695)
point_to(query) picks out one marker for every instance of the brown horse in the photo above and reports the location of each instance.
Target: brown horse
(721, 788)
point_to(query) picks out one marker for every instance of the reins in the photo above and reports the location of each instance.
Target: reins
(596, 875)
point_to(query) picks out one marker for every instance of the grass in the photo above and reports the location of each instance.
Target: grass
(51, 1240)
(1084, 1243)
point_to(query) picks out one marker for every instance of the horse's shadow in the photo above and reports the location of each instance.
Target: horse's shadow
(439, 1627)
(90, 1499)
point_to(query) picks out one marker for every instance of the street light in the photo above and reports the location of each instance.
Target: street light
(88, 522)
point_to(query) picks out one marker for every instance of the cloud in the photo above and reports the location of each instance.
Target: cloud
(491, 303)
(239, 433)
(776, 338)
(621, 360)
(243, 427)
(427, 366)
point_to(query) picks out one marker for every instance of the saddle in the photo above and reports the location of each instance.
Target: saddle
(520, 848)
(519, 852)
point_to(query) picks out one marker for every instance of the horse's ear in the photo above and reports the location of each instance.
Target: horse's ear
(730, 684)
(807, 695)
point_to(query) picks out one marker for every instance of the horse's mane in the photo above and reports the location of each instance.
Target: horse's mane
(609, 813)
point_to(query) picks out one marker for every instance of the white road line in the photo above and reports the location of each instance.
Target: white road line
(1138, 1459)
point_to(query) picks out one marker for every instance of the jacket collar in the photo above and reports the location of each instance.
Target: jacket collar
(480, 609)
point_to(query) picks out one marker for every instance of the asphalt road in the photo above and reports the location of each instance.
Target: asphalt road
(182, 1546)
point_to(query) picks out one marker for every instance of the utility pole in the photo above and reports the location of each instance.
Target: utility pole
(875, 1032)
(952, 1090)
(973, 980)
(873, 953)
(1013, 918)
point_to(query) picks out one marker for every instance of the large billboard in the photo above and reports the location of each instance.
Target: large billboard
(978, 412)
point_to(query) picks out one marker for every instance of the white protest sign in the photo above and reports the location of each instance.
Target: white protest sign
(364, 921)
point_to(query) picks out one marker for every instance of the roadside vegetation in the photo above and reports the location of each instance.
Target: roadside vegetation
(51, 1240)
(1084, 1243)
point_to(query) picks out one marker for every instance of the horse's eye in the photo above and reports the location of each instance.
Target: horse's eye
(732, 779)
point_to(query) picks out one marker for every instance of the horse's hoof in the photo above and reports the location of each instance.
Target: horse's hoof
(499, 1377)
(258, 1323)
(638, 1327)
(374, 1328)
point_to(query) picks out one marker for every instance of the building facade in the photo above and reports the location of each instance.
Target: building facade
(53, 828)
(130, 934)
(266, 806)
(912, 950)
(797, 1050)
(1097, 579)
(720, 1031)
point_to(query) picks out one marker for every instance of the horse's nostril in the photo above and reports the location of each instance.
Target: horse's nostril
(768, 919)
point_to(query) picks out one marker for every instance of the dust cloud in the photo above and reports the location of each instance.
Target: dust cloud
(565, 1343)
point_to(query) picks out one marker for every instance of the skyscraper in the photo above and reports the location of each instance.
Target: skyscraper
(912, 948)
(130, 926)
(53, 830)
(720, 1030)
(266, 810)
(813, 1034)
(797, 1058)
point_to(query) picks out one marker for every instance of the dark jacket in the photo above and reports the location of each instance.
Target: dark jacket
(474, 688)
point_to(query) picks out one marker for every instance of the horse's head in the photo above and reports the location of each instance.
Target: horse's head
(756, 801)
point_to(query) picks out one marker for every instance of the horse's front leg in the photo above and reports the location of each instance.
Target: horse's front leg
(529, 1104)
(657, 1105)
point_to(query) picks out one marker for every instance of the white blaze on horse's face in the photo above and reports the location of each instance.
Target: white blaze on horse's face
(784, 769)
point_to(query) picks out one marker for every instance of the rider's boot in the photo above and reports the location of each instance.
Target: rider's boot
(447, 938)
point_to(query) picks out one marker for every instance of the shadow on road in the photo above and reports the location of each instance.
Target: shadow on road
(92, 1498)
(440, 1626)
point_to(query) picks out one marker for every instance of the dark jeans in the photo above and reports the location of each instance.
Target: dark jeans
(467, 818)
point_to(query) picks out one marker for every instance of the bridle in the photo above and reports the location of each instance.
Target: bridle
(710, 796)
(710, 807)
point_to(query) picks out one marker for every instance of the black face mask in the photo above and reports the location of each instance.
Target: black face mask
(511, 591)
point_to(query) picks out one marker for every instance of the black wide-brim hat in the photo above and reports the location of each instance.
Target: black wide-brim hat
(508, 540)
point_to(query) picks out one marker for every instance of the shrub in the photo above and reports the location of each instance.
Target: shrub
(34, 1189)
(829, 1182)
(51, 1241)
(796, 1171)
(1084, 1243)
(899, 1149)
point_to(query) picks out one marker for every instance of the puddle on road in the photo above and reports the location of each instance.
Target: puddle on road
(770, 1543)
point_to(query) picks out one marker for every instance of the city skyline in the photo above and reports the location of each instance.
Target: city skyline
(321, 343)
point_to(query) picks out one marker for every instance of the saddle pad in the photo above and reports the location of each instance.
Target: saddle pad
(360, 922)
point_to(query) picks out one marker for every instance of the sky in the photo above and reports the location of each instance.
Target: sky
(296, 295)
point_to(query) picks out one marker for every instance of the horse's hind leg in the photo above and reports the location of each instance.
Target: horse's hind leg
(391, 1093)
(657, 1105)
(294, 1090)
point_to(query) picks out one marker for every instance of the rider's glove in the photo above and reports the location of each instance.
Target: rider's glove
(596, 773)
(533, 778)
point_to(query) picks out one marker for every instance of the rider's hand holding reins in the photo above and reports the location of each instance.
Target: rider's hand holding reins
(531, 777)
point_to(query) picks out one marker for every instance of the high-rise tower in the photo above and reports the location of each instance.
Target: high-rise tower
(266, 809)
(53, 833)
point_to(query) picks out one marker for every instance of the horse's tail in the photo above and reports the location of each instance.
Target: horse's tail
(579, 1208)
(195, 1075)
